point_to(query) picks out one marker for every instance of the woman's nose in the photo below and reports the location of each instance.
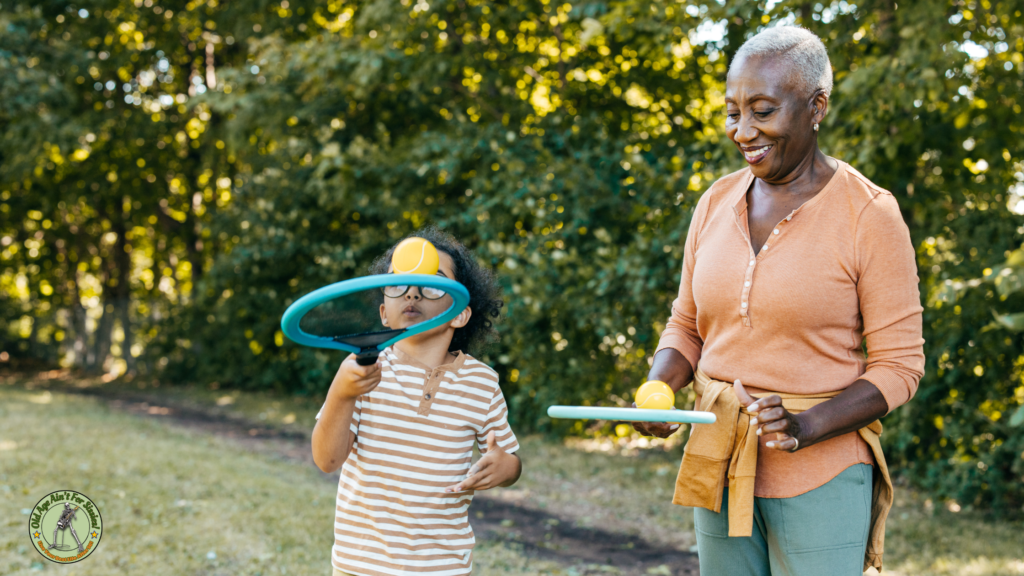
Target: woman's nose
(745, 132)
(413, 293)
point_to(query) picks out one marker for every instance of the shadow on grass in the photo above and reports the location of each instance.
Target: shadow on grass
(228, 487)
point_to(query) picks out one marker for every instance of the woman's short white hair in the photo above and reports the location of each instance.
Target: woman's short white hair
(795, 45)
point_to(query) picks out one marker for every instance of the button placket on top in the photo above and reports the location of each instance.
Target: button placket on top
(430, 388)
(748, 277)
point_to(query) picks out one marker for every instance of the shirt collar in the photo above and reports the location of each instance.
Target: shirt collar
(738, 197)
(453, 366)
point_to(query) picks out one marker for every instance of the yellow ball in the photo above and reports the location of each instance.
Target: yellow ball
(415, 256)
(655, 395)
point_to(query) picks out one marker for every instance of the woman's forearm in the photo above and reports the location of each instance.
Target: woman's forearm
(859, 405)
(331, 435)
(672, 368)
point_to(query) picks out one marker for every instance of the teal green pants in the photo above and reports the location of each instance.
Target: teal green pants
(822, 532)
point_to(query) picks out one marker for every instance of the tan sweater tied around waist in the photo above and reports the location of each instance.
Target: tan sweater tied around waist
(728, 449)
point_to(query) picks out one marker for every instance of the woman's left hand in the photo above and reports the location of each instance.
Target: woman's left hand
(771, 417)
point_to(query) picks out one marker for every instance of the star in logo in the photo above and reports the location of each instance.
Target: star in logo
(35, 534)
(94, 534)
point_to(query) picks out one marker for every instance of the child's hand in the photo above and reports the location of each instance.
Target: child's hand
(495, 468)
(353, 380)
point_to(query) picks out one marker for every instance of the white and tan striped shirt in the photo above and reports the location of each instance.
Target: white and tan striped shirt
(413, 436)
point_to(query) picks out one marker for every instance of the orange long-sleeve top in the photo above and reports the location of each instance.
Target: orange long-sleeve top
(836, 273)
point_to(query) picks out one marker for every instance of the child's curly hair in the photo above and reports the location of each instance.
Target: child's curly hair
(484, 291)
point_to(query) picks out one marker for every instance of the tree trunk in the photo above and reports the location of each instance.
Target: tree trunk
(101, 338)
(33, 340)
(123, 306)
(194, 245)
(735, 30)
(76, 338)
(887, 36)
(806, 16)
(122, 290)
(115, 294)
(81, 339)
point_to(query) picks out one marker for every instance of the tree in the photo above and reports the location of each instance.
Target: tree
(291, 142)
(106, 175)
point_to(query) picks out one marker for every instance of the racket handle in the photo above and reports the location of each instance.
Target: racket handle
(367, 358)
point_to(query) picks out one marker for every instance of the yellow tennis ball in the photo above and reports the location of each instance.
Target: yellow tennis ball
(655, 395)
(415, 256)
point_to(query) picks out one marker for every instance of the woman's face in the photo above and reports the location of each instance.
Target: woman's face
(770, 121)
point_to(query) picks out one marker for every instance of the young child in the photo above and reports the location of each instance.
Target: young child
(403, 431)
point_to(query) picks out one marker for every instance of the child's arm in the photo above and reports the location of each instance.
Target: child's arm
(496, 469)
(332, 435)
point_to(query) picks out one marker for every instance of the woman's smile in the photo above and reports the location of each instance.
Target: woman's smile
(756, 154)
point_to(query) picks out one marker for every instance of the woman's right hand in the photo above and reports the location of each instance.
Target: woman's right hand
(657, 429)
(672, 368)
(353, 380)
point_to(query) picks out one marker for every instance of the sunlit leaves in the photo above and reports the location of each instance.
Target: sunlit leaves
(195, 169)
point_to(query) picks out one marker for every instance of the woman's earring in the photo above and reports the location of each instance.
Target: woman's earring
(384, 321)
(815, 126)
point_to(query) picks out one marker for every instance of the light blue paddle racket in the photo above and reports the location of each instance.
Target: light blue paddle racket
(630, 414)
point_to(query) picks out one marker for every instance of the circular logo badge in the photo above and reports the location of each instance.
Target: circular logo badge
(65, 526)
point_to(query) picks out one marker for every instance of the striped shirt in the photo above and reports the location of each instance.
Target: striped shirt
(413, 436)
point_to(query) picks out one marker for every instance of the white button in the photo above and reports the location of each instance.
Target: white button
(788, 218)
(744, 305)
(747, 283)
(751, 262)
(776, 231)
(765, 247)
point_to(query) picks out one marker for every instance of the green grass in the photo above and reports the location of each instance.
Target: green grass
(173, 502)
(170, 497)
(634, 495)
(289, 413)
(599, 490)
(926, 539)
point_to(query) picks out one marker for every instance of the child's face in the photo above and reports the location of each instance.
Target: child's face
(411, 307)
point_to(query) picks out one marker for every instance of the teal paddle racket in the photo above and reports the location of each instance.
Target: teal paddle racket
(342, 316)
(630, 414)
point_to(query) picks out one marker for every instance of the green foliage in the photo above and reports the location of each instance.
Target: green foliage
(1008, 280)
(172, 177)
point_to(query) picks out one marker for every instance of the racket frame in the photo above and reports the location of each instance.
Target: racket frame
(368, 354)
(630, 414)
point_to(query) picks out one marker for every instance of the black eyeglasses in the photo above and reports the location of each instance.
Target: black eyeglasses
(400, 290)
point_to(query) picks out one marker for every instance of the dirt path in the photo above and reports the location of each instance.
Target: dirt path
(542, 535)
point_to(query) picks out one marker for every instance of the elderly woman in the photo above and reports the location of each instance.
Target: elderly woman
(790, 265)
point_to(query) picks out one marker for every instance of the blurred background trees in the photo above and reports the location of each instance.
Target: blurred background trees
(174, 174)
